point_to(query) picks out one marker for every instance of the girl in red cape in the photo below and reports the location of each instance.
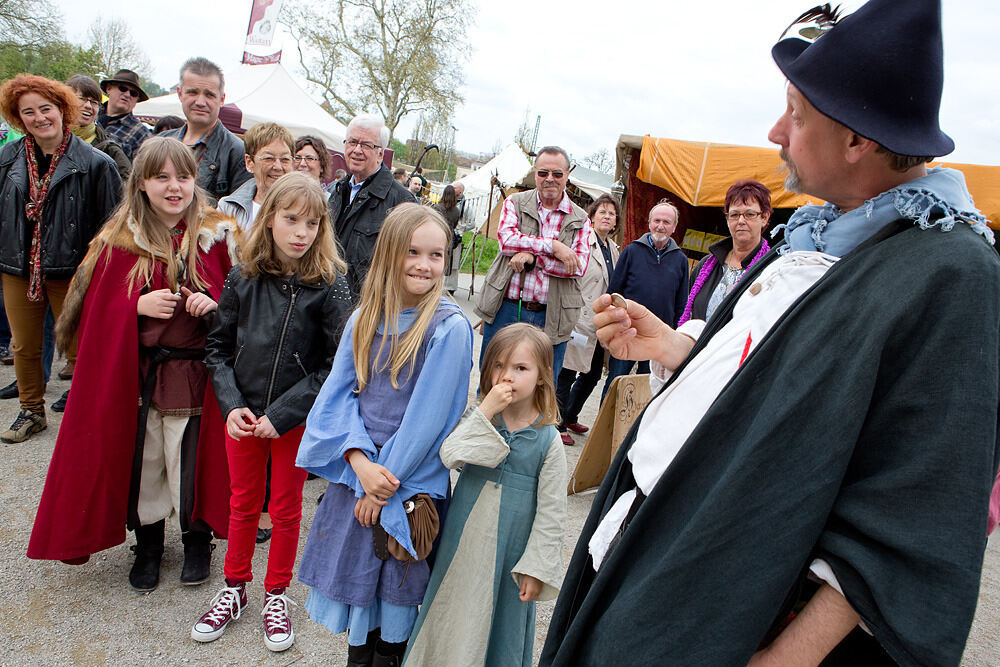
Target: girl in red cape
(138, 302)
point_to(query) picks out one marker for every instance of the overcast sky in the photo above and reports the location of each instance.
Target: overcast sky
(594, 70)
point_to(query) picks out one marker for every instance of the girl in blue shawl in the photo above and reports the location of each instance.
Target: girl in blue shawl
(394, 393)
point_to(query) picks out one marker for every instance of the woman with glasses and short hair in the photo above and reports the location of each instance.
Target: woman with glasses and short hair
(748, 210)
(269, 149)
(312, 158)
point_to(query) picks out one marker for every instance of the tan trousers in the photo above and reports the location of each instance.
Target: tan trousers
(160, 485)
(27, 323)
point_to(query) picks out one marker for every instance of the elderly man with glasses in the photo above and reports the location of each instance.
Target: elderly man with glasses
(543, 250)
(360, 202)
(116, 117)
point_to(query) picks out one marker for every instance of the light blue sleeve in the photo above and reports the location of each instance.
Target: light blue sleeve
(334, 424)
(439, 398)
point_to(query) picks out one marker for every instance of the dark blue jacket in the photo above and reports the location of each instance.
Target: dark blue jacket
(657, 280)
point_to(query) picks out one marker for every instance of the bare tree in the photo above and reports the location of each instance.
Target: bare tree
(525, 132)
(113, 42)
(600, 161)
(29, 22)
(393, 56)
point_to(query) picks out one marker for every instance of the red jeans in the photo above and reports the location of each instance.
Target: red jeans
(247, 479)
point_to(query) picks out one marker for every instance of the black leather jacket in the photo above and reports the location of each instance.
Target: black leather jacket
(85, 189)
(358, 223)
(273, 344)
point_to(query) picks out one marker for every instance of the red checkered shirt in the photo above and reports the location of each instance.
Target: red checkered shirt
(533, 285)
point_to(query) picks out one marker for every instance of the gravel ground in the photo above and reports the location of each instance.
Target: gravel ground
(54, 614)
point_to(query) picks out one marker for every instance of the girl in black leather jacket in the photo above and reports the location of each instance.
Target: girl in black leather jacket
(280, 317)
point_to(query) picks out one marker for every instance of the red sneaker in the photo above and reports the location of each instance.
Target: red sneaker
(567, 439)
(278, 633)
(578, 428)
(227, 606)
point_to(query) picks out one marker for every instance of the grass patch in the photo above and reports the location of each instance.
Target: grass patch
(489, 253)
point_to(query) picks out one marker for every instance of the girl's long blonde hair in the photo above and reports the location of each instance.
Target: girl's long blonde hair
(499, 349)
(135, 214)
(321, 262)
(382, 297)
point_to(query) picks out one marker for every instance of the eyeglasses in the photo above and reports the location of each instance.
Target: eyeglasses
(544, 173)
(305, 158)
(351, 144)
(749, 216)
(128, 89)
(268, 160)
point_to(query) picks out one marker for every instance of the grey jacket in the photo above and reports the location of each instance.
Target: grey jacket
(222, 167)
(240, 204)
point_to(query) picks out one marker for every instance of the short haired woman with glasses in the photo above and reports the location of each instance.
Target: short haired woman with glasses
(748, 210)
(269, 149)
(312, 158)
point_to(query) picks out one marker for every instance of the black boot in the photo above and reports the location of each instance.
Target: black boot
(362, 656)
(145, 572)
(197, 557)
(388, 655)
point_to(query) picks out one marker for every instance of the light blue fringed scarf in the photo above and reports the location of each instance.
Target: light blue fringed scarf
(939, 199)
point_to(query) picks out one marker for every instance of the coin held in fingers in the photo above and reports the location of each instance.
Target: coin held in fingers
(618, 301)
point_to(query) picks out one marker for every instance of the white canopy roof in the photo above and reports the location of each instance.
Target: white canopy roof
(511, 166)
(263, 93)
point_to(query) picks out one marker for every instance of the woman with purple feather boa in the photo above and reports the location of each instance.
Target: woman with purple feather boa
(748, 210)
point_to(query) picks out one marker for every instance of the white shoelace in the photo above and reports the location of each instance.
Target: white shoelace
(223, 604)
(275, 611)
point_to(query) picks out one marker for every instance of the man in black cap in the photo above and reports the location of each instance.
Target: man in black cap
(811, 483)
(124, 92)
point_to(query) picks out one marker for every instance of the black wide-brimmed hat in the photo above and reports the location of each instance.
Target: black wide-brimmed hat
(129, 78)
(879, 71)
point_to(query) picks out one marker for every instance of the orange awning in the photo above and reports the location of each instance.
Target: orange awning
(701, 172)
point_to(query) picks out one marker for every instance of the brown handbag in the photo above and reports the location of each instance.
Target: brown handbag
(422, 516)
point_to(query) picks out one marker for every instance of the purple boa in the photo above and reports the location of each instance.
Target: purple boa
(706, 271)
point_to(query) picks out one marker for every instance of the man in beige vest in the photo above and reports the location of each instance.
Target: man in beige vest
(543, 250)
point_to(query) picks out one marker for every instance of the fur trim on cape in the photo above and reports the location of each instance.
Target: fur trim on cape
(215, 226)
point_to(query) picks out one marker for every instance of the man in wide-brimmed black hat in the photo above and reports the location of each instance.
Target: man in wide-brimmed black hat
(124, 92)
(811, 482)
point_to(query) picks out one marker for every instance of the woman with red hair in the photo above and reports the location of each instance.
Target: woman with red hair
(56, 191)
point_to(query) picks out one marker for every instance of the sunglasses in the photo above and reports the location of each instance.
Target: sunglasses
(128, 89)
(544, 173)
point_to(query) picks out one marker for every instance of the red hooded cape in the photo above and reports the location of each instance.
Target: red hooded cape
(85, 501)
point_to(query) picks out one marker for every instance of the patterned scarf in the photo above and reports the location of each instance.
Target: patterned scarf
(706, 271)
(38, 189)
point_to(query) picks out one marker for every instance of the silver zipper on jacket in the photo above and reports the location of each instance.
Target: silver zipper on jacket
(281, 344)
(237, 359)
(299, 362)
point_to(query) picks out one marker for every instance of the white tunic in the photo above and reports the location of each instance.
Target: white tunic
(673, 415)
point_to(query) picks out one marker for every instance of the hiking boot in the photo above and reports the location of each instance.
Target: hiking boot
(198, 549)
(227, 605)
(145, 573)
(26, 423)
(278, 633)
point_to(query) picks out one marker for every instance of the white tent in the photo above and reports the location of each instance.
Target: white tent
(260, 93)
(511, 166)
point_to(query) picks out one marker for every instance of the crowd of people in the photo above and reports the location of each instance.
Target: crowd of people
(820, 448)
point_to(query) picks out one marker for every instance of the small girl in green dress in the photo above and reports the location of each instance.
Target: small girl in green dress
(501, 544)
